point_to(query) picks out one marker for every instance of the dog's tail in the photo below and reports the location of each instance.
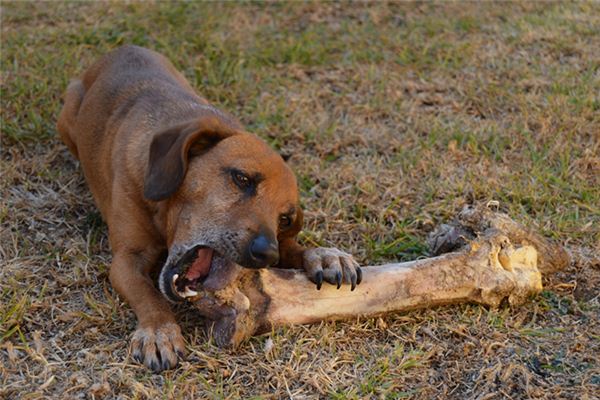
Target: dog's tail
(66, 120)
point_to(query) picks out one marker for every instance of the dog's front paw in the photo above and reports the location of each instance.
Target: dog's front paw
(332, 265)
(158, 348)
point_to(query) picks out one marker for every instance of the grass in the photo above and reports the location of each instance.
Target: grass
(394, 116)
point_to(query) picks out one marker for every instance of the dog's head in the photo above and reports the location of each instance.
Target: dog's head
(229, 198)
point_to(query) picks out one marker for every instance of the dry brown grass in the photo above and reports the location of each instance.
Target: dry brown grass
(395, 114)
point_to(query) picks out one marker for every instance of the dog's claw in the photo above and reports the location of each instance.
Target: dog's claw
(331, 265)
(166, 365)
(338, 279)
(158, 348)
(137, 355)
(319, 279)
(154, 366)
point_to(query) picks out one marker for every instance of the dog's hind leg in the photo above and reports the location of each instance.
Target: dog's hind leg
(68, 115)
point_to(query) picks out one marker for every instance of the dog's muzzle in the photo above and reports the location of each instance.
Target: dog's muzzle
(262, 252)
(183, 278)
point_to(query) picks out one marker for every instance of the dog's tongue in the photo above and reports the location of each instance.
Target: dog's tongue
(201, 265)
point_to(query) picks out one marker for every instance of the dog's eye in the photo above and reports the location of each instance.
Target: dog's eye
(284, 221)
(242, 180)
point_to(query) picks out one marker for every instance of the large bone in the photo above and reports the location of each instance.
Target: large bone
(493, 265)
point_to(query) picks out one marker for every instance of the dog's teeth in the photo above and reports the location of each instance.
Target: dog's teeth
(188, 292)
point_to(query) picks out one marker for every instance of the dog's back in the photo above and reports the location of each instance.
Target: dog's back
(111, 88)
(120, 101)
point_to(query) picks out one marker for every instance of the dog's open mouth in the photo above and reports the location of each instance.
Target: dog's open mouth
(194, 266)
(185, 278)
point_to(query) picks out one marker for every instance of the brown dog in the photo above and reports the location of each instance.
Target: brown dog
(172, 175)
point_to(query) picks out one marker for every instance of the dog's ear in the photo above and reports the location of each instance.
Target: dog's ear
(170, 151)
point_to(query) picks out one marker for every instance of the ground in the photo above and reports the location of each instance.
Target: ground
(394, 115)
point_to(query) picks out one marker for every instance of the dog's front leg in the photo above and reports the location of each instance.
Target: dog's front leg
(321, 263)
(157, 342)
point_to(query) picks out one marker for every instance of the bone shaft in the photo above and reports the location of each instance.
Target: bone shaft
(393, 287)
(495, 263)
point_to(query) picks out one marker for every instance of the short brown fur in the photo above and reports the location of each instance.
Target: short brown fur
(155, 156)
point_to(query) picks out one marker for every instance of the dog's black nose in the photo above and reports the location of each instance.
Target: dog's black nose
(264, 252)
